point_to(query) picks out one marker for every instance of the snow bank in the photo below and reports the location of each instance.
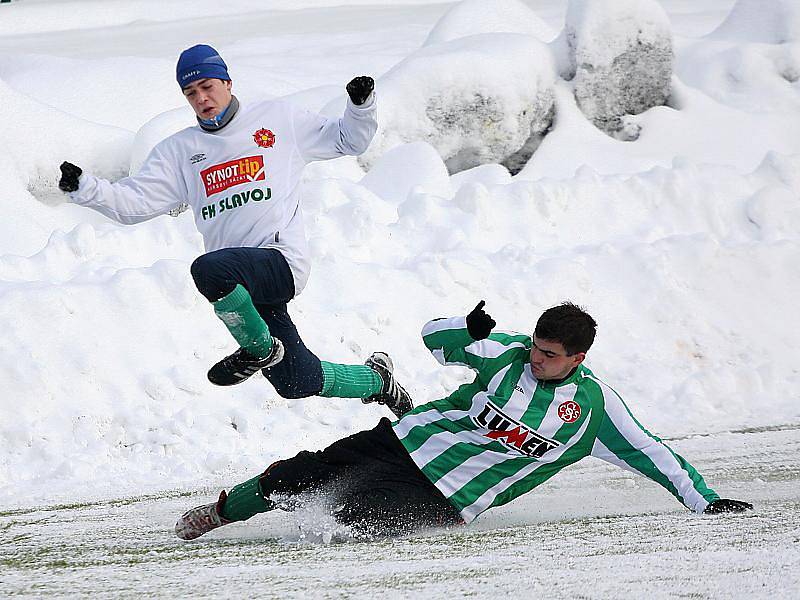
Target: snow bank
(472, 17)
(751, 61)
(415, 166)
(120, 91)
(491, 174)
(697, 127)
(619, 54)
(754, 77)
(36, 17)
(476, 100)
(32, 145)
(772, 22)
(41, 137)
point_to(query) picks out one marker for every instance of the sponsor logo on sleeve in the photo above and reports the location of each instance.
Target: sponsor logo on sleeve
(264, 138)
(511, 433)
(219, 178)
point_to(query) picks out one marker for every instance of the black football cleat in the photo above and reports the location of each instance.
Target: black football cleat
(392, 394)
(242, 365)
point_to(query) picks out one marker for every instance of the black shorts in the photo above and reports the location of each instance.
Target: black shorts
(371, 481)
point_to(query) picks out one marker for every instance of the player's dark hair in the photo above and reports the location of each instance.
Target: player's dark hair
(569, 325)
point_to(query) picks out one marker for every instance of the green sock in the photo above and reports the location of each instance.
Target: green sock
(246, 500)
(241, 318)
(349, 381)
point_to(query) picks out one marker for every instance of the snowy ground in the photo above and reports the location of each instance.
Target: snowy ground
(594, 532)
(684, 245)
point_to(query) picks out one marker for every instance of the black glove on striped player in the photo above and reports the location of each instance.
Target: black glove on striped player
(724, 505)
(479, 324)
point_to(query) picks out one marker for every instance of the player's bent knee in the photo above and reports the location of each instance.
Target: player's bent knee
(210, 277)
(200, 269)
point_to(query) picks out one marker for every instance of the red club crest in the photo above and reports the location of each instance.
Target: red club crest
(569, 411)
(264, 138)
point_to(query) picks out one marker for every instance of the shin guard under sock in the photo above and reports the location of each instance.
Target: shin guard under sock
(246, 500)
(349, 381)
(241, 318)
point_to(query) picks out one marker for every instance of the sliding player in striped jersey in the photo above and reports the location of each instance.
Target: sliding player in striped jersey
(532, 409)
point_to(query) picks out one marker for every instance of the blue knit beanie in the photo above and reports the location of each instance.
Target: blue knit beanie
(200, 62)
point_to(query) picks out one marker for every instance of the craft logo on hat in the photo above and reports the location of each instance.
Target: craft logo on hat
(200, 62)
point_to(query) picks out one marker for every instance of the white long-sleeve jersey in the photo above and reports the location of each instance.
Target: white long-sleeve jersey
(241, 181)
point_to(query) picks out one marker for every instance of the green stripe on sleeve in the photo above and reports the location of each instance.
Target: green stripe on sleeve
(612, 439)
(637, 460)
(618, 444)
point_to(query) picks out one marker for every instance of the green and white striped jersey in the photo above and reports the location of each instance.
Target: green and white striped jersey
(506, 432)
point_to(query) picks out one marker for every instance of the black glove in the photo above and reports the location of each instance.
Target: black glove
(360, 88)
(724, 505)
(479, 324)
(69, 177)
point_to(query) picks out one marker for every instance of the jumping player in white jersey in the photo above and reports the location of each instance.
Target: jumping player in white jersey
(239, 170)
(532, 409)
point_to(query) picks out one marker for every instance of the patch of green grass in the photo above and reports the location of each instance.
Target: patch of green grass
(116, 502)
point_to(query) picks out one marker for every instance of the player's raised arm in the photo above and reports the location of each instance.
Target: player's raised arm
(319, 137)
(447, 338)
